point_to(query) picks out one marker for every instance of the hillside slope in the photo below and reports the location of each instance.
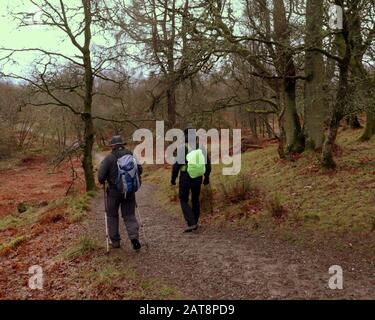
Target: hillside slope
(295, 200)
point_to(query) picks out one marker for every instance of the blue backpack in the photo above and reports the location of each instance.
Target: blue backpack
(128, 177)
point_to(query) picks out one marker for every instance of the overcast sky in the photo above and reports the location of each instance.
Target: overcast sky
(48, 38)
(13, 37)
(35, 36)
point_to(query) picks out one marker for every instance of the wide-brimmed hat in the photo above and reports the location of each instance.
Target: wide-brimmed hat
(117, 141)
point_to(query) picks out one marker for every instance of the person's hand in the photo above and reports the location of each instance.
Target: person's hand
(173, 182)
(206, 181)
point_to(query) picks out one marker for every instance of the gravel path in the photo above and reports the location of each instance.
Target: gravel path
(224, 263)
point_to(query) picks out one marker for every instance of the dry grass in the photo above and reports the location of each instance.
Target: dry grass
(53, 216)
(12, 245)
(85, 245)
(275, 208)
(236, 189)
(110, 277)
(341, 201)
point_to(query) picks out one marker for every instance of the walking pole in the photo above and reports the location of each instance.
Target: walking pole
(106, 219)
(142, 226)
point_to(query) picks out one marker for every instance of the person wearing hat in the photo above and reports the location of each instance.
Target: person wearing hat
(188, 183)
(108, 172)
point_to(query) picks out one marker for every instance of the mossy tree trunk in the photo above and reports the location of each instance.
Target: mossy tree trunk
(337, 116)
(316, 106)
(345, 51)
(370, 127)
(287, 71)
(293, 131)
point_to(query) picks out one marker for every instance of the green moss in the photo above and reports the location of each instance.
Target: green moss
(79, 206)
(17, 220)
(10, 221)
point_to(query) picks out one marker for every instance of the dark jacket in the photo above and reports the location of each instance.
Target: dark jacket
(179, 163)
(108, 170)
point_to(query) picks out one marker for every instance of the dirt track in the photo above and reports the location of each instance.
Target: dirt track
(231, 264)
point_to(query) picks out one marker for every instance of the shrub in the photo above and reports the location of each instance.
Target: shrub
(207, 200)
(237, 189)
(52, 216)
(173, 194)
(7, 141)
(22, 207)
(82, 247)
(275, 207)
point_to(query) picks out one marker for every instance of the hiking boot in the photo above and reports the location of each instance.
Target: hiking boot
(191, 229)
(136, 244)
(116, 244)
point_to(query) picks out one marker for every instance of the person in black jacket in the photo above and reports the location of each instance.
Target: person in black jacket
(108, 172)
(188, 184)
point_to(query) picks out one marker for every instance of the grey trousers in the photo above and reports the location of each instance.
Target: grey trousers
(127, 206)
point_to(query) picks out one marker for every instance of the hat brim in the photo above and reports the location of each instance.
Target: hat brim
(118, 144)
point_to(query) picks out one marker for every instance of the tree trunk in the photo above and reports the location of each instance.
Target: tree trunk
(315, 104)
(327, 152)
(293, 132)
(253, 125)
(171, 101)
(370, 127)
(87, 114)
(87, 152)
(353, 122)
(337, 113)
(287, 70)
(344, 48)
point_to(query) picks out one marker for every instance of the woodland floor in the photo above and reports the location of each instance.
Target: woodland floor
(213, 263)
(32, 179)
(240, 252)
(229, 263)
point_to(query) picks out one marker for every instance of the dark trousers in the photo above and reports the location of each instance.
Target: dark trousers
(191, 214)
(127, 206)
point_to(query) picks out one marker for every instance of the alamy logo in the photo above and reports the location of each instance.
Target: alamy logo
(336, 282)
(225, 146)
(36, 279)
(336, 17)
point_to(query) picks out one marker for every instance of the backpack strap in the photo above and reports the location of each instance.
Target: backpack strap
(188, 149)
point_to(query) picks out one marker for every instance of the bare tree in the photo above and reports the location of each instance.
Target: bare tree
(48, 85)
(170, 47)
(272, 60)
